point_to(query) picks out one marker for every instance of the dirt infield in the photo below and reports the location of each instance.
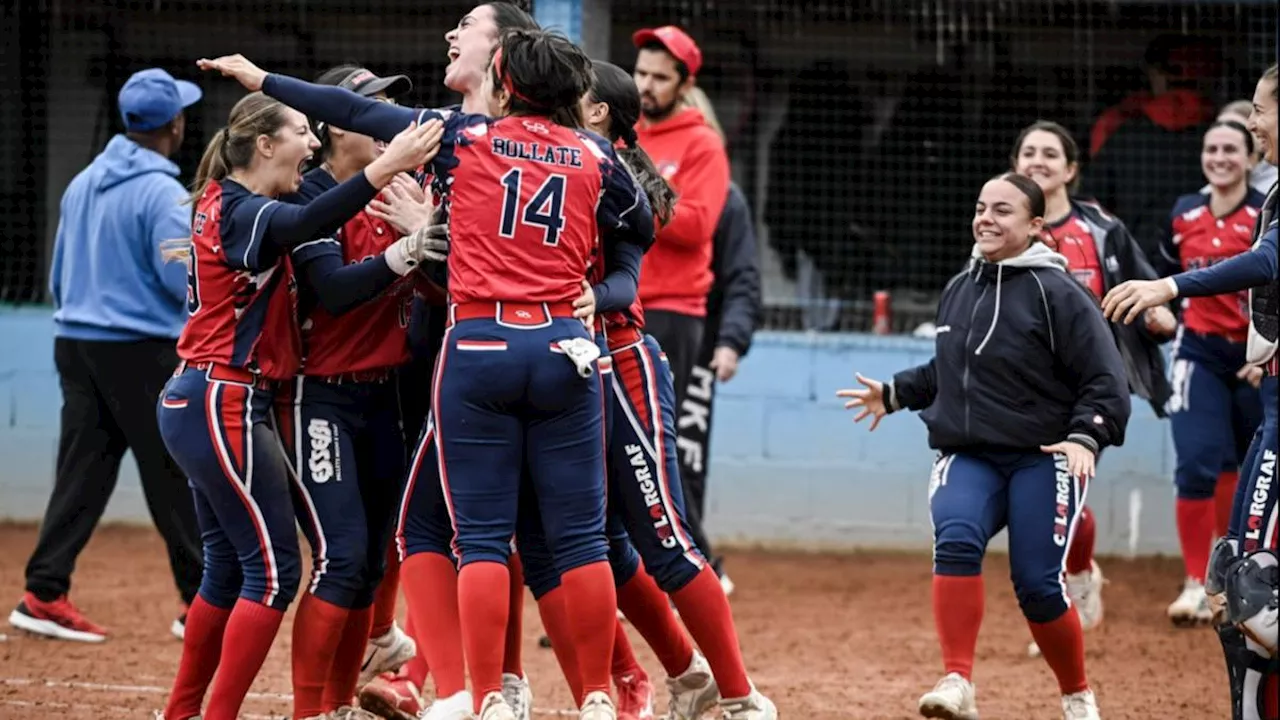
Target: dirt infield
(827, 636)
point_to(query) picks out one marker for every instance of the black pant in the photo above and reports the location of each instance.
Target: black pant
(109, 396)
(681, 337)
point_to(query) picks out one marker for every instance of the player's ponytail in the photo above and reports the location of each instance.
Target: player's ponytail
(542, 72)
(213, 166)
(615, 88)
(234, 146)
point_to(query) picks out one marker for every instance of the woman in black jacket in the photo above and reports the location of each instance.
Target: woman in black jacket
(1101, 254)
(1025, 388)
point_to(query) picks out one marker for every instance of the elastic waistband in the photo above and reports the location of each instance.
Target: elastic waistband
(379, 375)
(623, 336)
(521, 316)
(1235, 339)
(226, 373)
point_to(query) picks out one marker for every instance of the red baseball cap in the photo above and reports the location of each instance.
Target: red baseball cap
(676, 41)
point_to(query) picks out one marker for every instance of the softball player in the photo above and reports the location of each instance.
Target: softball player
(1100, 253)
(1215, 409)
(508, 383)
(1241, 578)
(646, 499)
(240, 342)
(339, 421)
(1015, 331)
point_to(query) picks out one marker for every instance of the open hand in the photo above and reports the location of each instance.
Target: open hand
(584, 308)
(415, 145)
(1080, 459)
(1127, 300)
(236, 66)
(870, 399)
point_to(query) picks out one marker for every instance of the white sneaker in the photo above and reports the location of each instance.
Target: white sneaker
(518, 694)
(726, 584)
(495, 708)
(1085, 591)
(1080, 706)
(455, 707)
(386, 653)
(597, 706)
(1192, 606)
(953, 698)
(693, 691)
(752, 707)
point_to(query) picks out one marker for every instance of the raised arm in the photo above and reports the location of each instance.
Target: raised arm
(344, 109)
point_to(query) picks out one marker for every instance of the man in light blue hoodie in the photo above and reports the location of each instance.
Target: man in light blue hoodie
(119, 308)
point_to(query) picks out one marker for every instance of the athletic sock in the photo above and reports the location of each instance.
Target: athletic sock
(430, 583)
(958, 605)
(384, 600)
(317, 630)
(1195, 533)
(624, 656)
(1061, 644)
(251, 629)
(556, 623)
(512, 654)
(1224, 496)
(1080, 554)
(344, 672)
(416, 668)
(592, 603)
(649, 611)
(482, 604)
(201, 648)
(705, 611)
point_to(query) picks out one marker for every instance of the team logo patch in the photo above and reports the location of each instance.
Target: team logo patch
(323, 462)
(535, 127)
(198, 224)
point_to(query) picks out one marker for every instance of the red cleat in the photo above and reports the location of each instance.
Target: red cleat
(57, 619)
(635, 697)
(391, 696)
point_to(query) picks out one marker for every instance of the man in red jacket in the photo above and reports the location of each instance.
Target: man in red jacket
(675, 276)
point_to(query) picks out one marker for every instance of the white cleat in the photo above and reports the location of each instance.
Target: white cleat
(953, 698)
(693, 692)
(1080, 706)
(752, 707)
(455, 707)
(495, 707)
(386, 653)
(1085, 591)
(518, 694)
(597, 706)
(726, 584)
(1192, 606)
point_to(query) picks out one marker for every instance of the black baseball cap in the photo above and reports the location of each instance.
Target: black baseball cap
(363, 82)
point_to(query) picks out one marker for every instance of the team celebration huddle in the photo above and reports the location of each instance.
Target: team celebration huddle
(419, 336)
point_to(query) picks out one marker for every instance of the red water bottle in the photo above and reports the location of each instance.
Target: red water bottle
(881, 319)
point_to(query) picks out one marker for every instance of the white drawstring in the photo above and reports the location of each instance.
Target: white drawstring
(995, 317)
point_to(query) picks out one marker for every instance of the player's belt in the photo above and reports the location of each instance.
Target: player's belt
(1272, 366)
(623, 336)
(522, 316)
(226, 373)
(365, 376)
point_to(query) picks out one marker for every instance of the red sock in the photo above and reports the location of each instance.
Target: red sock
(1224, 497)
(482, 605)
(1195, 532)
(705, 611)
(512, 651)
(416, 668)
(649, 610)
(589, 599)
(1080, 554)
(201, 647)
(344, 672)
(555, 621)
(1062, 645)
(384, 601)
(251, 629)
(958, 604)
(430, 584)
(624, 656)
(317, 629)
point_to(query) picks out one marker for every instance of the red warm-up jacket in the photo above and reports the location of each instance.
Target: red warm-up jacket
(676, 273)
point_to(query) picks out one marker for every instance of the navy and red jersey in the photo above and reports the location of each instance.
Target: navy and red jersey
(1196, 239)
(526, 198)
(241, 292)
(1071, 238)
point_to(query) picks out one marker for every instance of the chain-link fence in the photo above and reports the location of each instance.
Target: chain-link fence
(860, 131)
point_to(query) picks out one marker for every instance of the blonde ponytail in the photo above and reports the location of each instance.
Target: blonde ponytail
(213, 167)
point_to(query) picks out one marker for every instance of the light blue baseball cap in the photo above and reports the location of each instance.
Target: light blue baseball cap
(151, 98)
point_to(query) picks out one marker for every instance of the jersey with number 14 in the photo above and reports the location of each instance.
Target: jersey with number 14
(528, 200)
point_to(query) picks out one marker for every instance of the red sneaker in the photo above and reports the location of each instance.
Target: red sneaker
(635, 696)
(392, 696)
(58, 619)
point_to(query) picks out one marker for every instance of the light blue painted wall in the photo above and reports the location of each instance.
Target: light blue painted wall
(788, 465)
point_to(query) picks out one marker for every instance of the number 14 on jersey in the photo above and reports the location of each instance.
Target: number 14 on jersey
(545, 210)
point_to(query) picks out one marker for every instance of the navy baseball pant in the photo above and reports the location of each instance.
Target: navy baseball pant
(215, 423)
(1255, 514)
(504, 392)
(344, 444)
(1213, 416)
(972, 496)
